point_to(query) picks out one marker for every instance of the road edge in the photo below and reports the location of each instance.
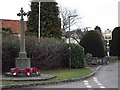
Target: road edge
(52, 82)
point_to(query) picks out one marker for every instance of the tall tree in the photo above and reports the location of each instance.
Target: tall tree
(65, 13)
(50, 22)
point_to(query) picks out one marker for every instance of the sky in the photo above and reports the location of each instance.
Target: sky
(102, 13)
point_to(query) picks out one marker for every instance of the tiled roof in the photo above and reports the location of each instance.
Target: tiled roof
(13, 25)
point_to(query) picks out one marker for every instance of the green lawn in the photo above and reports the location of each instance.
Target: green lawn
(61, 75)
(70, 73)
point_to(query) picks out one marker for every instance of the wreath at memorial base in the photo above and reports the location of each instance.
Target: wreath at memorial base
(16, 71)
(35, 70)
(27, 71)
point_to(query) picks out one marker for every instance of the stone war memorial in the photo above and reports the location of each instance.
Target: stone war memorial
(22, 63)
(23, 70)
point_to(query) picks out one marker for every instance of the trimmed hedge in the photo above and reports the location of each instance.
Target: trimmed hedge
(115, 42)
(77, 56)
(93, 44)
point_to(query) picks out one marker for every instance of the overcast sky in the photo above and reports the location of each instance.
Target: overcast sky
(103, 13)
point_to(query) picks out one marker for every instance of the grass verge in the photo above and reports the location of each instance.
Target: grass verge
(61, 75)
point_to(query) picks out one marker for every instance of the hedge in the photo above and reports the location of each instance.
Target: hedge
(115, 42)
(48, 54)
(77, 56)
(10, 51)
(93, 44)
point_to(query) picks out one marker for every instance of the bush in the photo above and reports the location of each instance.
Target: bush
(7, 30)
(10, 50)
(49, 53)
(93, 44)
(77, 56)
(113, 59)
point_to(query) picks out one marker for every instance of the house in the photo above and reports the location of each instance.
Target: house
(13, 25)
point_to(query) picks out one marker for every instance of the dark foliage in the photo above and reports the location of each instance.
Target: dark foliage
(93, 44)
(47, 54)
(50, 22)
(77, 56)
(115, 42)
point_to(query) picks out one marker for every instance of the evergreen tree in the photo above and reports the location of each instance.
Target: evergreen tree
(115, 42)
(93, 44)
(98, 29)
(50, 22)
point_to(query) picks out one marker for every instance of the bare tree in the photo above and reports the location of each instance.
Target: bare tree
(78, 34)
(65, 13)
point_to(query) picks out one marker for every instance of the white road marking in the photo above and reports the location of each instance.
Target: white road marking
(87, 84)
(85, 81)
(98, 83)
(95, 79)
(102, 87)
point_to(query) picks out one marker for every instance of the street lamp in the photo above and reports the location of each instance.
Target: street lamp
(69, 39)
(108, 37)
(39, 13)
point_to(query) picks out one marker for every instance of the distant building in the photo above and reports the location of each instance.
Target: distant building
(13, 25)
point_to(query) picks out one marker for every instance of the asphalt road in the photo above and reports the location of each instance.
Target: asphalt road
(106, 77)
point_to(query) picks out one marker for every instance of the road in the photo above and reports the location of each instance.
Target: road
(106, 77)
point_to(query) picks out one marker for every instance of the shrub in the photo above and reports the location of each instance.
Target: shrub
(113, 59)
(49, 53)
(93, 44)
(10, 50)
(115, 42)
(7, 30)
(77, 56)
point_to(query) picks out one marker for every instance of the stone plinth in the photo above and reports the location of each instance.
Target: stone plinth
(42, 77)
(22, 54)
(23, 63)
